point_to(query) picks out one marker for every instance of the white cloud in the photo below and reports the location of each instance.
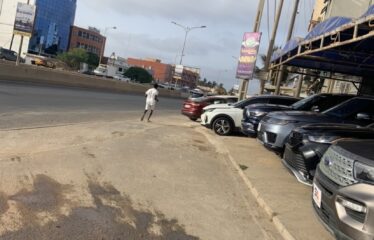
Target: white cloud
(145, 29)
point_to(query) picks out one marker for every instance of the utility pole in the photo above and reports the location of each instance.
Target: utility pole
(282, 75)
(243, 89)
(272, 41)
(20, 46)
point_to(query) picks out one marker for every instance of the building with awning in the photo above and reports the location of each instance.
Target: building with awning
(338, 46)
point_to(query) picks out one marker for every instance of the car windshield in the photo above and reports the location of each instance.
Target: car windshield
(349, 108)
(300, 104)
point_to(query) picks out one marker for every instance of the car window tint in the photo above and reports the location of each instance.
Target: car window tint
(282, 101)
(325, 102)
(349, 109)
(232, 100)
(255, 101)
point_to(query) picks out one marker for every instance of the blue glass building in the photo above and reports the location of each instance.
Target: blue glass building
(52, 25)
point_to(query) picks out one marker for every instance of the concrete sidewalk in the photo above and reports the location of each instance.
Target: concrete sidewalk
(285, 200)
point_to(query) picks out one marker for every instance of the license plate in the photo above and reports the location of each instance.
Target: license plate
(259, 127)
(317, 195)
(187, 106)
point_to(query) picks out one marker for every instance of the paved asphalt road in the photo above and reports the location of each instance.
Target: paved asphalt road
(79, 164)
(25, 105)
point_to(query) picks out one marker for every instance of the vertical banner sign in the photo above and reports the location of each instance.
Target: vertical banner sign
(24, 22)
(248, 55)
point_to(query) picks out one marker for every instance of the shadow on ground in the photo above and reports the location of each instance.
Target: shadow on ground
(112, 216)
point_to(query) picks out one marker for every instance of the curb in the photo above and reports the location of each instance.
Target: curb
(221, 148)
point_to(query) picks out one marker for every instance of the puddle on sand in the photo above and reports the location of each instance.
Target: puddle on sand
(102, 221)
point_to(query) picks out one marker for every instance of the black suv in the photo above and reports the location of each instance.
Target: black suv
(307, 144)
(253, 115)
(6, 54)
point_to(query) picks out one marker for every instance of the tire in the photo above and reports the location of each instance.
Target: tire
(222, 126)
(193, 119)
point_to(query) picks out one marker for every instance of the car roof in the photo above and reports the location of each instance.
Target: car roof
(275, 96)
(222, 96)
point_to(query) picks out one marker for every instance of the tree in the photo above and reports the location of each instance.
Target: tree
(138, 74)
(74, 57)
(92, 59)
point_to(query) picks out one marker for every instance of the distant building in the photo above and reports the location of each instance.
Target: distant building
(89, 39)
(345, 8)
(190, 77)
(161, 72)
(53, 21)
(8, 10)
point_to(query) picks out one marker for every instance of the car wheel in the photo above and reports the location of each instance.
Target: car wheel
(222, 126)
(193, 118)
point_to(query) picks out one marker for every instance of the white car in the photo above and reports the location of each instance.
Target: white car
(227, 118)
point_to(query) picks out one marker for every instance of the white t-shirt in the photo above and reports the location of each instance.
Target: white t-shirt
(151, 96)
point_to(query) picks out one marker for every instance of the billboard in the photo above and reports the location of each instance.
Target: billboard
(248, 55)
(178, 72)
(24, 22)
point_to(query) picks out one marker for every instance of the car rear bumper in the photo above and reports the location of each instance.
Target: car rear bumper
(191, 114)
(344, 224)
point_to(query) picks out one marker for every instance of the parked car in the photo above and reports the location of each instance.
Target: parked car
(226, 118)
(253, 115)
(193, 108)
(275, 127)
(307, 144)
(6, 54)
(43, 63)
(343, 189)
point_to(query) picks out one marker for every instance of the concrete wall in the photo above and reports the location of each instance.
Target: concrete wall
(40, 75)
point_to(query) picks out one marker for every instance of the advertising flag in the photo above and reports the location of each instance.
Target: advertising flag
(248, 55)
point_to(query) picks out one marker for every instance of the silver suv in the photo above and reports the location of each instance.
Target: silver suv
(275, 127)
(343, 189)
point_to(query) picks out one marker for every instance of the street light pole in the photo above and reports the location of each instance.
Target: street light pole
(187, 29)
(102, 45)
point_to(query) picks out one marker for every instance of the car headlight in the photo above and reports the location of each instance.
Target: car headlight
(364, 172)
(279, 121)
(322, 139)
(257, 114)
(208, 110)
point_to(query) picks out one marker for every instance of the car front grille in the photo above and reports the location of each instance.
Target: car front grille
(295, 160)
(271, 137)
(295, 139)
(337, 167)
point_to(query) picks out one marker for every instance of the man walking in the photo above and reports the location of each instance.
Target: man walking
(151, 100)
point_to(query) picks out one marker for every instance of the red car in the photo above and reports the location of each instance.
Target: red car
(193, 108)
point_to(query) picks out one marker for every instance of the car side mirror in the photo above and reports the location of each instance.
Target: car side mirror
(315, 109)
(363, 116)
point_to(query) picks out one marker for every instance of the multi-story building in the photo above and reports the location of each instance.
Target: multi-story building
(53, 21)
(188, 76)
(89, 39)
(324, 9)
(8, 10)
(161, 72)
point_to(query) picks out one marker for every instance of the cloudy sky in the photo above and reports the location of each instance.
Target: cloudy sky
(144, 29)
